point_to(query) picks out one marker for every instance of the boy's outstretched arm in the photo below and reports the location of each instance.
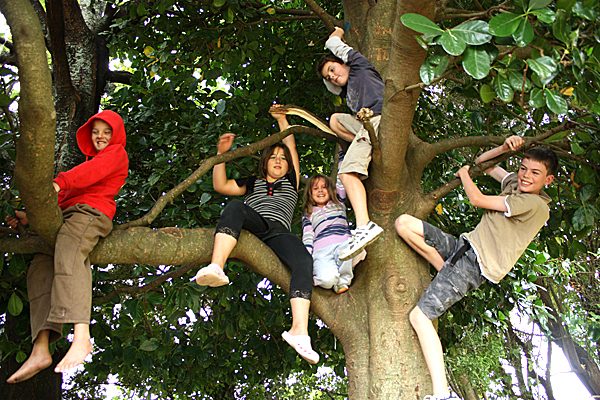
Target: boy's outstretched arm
(475, 196)
(511, 143)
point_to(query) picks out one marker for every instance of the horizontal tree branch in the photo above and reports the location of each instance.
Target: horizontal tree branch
(446, 145)
(207, 164)
(123, 77)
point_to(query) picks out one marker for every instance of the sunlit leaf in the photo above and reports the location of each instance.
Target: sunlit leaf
(421, 24)
(476, 62)
(452, 43)
(555, 102)
(505, 24)
(473, 32)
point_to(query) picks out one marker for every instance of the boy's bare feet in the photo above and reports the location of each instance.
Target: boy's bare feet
(36, 362)
(79, 350)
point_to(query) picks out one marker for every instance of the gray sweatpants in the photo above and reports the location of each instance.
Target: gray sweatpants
(60, 287)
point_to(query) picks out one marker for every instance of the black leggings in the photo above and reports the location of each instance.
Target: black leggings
(288, 247)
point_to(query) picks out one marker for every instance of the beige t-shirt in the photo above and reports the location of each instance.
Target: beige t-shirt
(500, 238)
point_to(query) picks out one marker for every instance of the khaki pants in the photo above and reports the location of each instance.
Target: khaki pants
(358, 156)
(60, 287)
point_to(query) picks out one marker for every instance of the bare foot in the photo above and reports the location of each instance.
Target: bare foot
(37, 361)
(79, 350)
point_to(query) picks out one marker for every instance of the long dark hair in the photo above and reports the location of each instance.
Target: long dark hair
(264, 159)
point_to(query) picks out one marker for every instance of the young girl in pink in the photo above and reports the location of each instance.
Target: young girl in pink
(324, 231)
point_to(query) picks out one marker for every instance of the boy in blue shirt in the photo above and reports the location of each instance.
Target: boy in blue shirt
(348, 73)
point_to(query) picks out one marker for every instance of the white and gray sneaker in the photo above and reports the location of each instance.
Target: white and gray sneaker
(361, 238)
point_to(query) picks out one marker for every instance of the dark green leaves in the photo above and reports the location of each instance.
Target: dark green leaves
(476, 62)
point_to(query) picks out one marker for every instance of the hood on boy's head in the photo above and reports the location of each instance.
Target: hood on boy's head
(332, 88)
(84, 133)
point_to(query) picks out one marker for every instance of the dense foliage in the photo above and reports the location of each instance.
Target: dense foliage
(191, 70)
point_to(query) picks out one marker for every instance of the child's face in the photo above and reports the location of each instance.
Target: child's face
(533, 176)
(336, 73)
(277, 164)
(101, 134)
(319, 193)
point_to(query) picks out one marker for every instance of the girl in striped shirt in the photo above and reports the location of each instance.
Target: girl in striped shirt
(324, 231)
(267, 210)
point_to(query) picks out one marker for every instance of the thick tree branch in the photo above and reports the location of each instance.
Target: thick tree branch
(329, 21)
(123, 77)
(35, 147)
(450, 144)
(58, 50)
(207, 164)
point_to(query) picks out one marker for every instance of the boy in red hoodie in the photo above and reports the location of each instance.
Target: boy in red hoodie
(60, 286)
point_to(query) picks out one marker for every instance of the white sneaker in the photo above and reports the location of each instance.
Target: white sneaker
(361, 238)
(212, 275)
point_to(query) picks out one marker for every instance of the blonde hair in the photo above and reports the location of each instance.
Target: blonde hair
(308, 201)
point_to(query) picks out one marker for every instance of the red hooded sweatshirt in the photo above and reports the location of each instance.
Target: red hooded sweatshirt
(96, 181)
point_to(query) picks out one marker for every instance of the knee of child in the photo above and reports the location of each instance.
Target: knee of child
(325, 279)
(416, 317)
(401, 224)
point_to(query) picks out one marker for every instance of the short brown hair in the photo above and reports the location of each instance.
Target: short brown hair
(324, 60)
(545, 156)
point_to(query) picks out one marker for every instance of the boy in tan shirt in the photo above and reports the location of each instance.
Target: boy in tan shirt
(511, 221)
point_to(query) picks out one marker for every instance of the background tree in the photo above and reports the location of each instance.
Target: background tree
(182, 72)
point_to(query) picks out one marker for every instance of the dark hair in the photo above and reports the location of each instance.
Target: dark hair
(309, 203)
(264, 159)
(545, 156)
(324, 60)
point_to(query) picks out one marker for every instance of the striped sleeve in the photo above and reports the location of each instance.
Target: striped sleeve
(308, 234)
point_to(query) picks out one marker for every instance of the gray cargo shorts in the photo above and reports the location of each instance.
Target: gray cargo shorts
(459, 275)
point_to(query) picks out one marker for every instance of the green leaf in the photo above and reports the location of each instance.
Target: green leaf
(561, 28)
(473, 32)
(545, 15)
(545, 68)
(219, 3)
(537, 4)
(584, 217)
(524, 33)
(452, 44)
(149, 345)
(21, 356)
(577, 149)
(565, 4)
(505, 24)
(536, 98)
(229, 15)
(476, 62)
(421, 24)
(517, 81)
(586, 9)
(502, 88)
(4, 100)
(487, 93)
(15, 305)
(555, 102)
(433, 67)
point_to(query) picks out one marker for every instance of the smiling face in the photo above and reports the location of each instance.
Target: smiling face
(101, 134)
(319, 192)
(335, 73)
(533, 176)
(277, 165)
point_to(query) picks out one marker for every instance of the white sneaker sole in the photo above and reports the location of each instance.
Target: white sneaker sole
(357, 250)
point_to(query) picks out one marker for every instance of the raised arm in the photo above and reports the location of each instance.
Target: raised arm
(511, 143)
(221, 184)
(337, 46)
(475, 196)
(289, 141)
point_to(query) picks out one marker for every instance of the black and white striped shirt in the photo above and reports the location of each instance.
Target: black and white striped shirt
(274, 201)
